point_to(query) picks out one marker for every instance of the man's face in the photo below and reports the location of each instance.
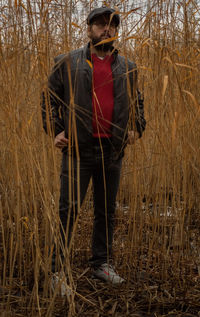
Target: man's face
(102, 28)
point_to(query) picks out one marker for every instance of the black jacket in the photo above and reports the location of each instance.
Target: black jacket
(67, 103)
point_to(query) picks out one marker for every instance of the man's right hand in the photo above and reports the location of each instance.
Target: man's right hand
(60, 141)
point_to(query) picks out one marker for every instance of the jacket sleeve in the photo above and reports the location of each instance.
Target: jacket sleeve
(137, 120)
(52, 101)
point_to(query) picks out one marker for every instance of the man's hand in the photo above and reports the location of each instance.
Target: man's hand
(132, 137)
(60, 141)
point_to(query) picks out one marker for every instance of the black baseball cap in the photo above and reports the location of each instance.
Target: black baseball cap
(101, 11)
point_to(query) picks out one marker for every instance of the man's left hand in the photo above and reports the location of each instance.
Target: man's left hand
(132, 137)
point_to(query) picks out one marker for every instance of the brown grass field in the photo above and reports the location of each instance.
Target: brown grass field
(157, 236)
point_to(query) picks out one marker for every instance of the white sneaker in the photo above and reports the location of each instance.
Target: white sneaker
(106, 273)
(59, 284)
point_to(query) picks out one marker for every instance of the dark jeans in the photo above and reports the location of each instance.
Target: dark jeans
(75, 179)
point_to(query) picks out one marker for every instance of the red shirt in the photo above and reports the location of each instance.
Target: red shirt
(102, 98)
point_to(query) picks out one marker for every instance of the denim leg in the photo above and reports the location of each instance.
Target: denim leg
(69, 199)
(105, 190)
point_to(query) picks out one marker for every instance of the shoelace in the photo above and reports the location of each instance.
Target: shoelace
(109, 268)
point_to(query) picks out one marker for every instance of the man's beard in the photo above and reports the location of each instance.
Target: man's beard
(105, 47)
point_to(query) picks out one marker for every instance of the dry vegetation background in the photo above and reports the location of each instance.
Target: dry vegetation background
(157, 237)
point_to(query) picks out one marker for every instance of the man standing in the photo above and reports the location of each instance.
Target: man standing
(91, 100)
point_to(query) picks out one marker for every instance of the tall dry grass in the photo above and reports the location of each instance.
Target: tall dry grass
(157, 225)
